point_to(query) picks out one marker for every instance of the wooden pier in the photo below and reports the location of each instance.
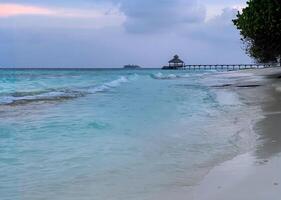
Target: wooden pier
(228, 67)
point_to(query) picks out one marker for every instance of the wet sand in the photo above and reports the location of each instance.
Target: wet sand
(255, 175)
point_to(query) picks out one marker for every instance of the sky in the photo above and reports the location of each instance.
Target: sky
(112, 33)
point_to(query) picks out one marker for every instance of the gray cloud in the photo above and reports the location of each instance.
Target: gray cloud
(150, 16)
(219, 38)
(218, 29)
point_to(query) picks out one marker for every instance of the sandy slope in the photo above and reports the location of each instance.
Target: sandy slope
(257, 174)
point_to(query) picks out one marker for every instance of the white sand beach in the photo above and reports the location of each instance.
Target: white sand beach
(255, 175)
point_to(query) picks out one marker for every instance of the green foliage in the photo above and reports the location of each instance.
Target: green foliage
(260, 28)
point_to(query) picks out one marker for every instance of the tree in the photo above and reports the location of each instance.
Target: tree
(260, 27)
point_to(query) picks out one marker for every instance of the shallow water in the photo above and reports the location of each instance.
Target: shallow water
(111, 134)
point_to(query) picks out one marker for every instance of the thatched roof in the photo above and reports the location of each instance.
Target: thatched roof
(176, 60)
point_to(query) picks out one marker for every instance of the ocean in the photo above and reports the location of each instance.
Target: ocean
(114, 134)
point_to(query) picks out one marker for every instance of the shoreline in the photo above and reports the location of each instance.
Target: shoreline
(255, 174)
(239, 147)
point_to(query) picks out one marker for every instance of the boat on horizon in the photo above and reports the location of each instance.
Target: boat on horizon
(131, 67)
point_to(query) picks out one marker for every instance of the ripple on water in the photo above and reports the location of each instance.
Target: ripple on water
(99, 125)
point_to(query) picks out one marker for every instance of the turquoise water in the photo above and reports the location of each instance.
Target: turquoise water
(107, 134)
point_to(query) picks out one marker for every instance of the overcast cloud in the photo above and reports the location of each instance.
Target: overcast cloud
(111, 33)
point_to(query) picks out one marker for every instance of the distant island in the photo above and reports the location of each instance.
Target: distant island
(131, 67)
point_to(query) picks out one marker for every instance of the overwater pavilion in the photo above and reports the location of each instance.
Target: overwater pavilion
(176, 63)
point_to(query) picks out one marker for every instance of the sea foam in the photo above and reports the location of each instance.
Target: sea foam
(162, 76)
(56, 94)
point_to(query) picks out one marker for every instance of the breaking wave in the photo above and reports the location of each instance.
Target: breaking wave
(28, 97)
(58, 94)
(162, 76)
(109, 85)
